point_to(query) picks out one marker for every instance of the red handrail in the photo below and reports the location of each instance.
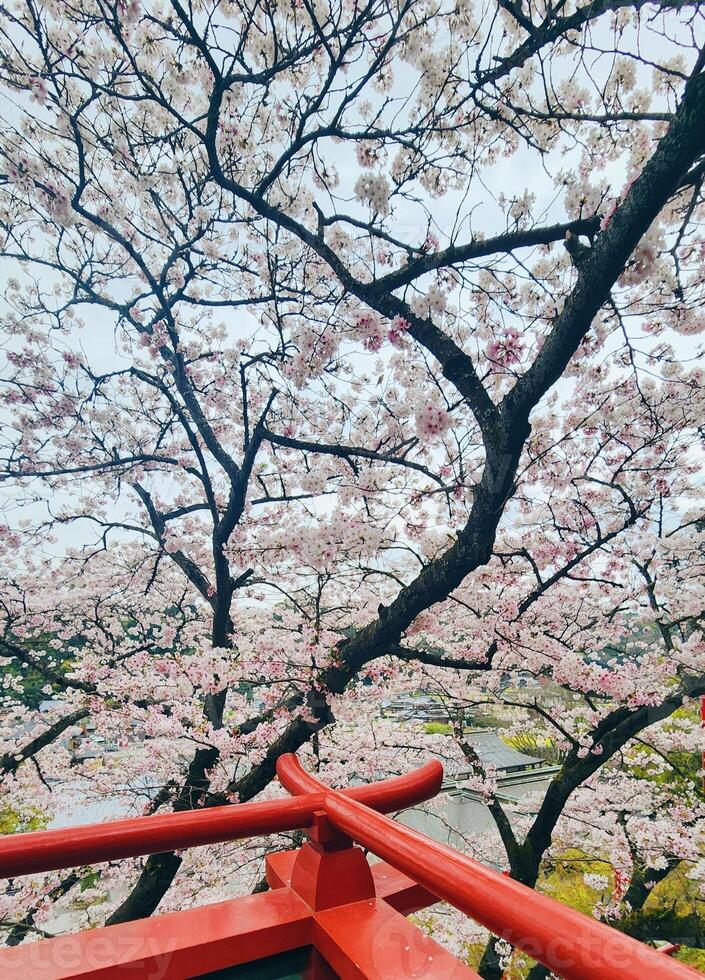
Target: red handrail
(569, 943)
(49, 850)
(388, 795)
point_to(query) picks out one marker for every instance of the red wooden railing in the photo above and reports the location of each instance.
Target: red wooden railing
(325, 896)
(49, 850)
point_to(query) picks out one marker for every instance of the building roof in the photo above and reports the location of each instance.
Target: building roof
(492, 751)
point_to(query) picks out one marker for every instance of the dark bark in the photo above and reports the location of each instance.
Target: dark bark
(485, 247)
(489, 967)
(8, 648)
(610, 736)
(11, 761)
(19, 930)
(538, 972)
(666, 925)
(160, 869)
(154, 881)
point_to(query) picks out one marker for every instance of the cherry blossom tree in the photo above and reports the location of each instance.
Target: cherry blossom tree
(304, 406)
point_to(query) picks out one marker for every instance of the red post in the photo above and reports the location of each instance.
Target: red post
(573, 945)
(330, 870)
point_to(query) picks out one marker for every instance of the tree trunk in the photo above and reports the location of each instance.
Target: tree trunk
(160, 869)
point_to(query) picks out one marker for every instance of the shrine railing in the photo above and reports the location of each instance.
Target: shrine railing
(325, 896)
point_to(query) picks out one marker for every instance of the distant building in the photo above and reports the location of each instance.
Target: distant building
(51, 704)
(419, 707)
(491, 751)
(465, 813)
(92, 748)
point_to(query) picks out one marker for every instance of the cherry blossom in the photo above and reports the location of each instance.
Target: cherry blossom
(346, 355)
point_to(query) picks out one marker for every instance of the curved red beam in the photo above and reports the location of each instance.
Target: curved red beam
(49, 850)
(388, 795)
(570, 944)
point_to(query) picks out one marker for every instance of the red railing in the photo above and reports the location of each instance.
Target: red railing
(324, 896)
(50, 850)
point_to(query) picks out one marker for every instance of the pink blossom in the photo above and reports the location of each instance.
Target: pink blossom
(609, 214)
(432, 421)
(506, 349)
(397, 330)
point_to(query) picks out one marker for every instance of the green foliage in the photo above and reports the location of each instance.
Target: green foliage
(12, 822)
(31, 682)
(677, 895)
(91, 879)
(693, 957)
(563, 879)
(685, 765)
(540, 746)
(438, 728)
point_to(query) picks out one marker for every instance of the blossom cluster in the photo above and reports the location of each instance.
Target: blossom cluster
(374, 190)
